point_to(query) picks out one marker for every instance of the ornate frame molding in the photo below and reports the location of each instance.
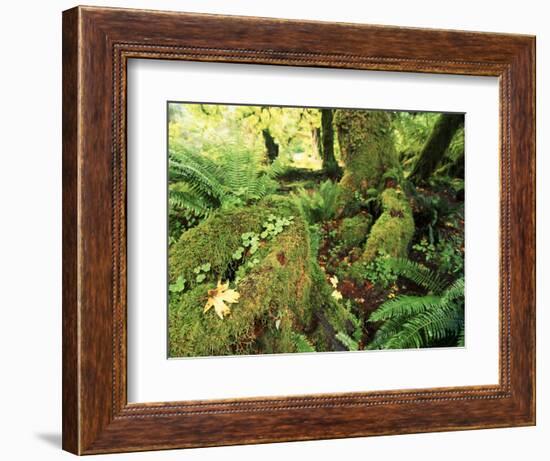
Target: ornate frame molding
(97, 43)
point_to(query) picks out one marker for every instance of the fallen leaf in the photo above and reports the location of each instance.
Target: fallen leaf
(334, 281)
(219, 296)
(336, 295)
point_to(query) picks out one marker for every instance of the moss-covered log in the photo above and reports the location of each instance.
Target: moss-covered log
(367, 147)
(433, 151)
(274, 292)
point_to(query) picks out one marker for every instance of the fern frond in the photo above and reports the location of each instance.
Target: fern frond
(277, 168)
(426, 327)
(185, 199)
(330, 193)
(418, 274)
(418, 321)
(198, 179)
(460, 342)
(403, 306)
(455, 290)
(347, 341)
(240, 170)
(200, 161)
(387, 330)
(242, 174)
(301, 343)
(319, 205)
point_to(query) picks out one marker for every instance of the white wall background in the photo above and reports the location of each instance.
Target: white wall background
(30, 229)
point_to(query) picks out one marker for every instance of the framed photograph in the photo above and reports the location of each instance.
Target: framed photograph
(284, 230)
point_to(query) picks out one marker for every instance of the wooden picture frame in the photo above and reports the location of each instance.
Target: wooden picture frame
(97, 43)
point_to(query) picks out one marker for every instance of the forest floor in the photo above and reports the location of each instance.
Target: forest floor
(366, 296)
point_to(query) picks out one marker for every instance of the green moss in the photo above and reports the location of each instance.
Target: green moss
(367, 147)
(216, 238)
(353, 231)
(285, 301)
(331, 316)
(274, 294)
(392, 232)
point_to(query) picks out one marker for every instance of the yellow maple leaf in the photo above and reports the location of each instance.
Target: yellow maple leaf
(219, 296)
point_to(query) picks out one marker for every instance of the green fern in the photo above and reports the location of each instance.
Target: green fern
(200, 178)
(421, 321)
(417, 273)
(350, 343)
(243, 175)
(301, 343)
(319, 205)
(183, 198)
(200, 184)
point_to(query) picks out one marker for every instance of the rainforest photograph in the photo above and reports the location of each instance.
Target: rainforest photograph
(312, 229)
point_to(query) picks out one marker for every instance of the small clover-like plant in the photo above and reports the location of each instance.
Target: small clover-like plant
(238, 254)
(274, 225)
(250, 244)
(178, 286)
(251, 240)
(201, 272)
(253, 262)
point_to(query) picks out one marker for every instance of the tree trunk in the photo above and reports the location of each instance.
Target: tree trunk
(330, 165)
(316, 141)
(436, 146)
(271, 146)
(367, 148)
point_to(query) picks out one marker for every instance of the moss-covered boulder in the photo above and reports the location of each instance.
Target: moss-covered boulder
(353, 231)
(274, 288)
(392, 232)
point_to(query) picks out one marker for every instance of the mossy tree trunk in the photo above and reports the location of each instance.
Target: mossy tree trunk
(316, 141)
(271, 146)
(456, 169)
(368, 149)
(436, 146)
(330, 165)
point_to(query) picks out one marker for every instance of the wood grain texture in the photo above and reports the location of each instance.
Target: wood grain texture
(70, 384)
(97, 43)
